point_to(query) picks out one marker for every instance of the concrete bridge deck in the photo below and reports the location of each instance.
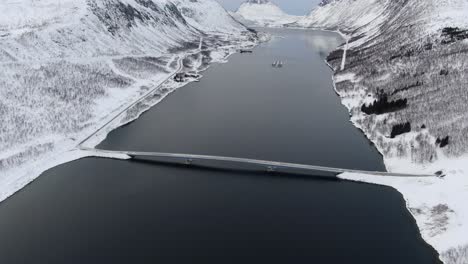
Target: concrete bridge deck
(243, 163)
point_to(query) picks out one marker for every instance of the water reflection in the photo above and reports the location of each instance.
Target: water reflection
(97, 211)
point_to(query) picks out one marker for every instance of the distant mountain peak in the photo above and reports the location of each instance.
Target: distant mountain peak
(263, 13)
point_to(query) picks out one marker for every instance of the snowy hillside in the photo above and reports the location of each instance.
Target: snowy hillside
(263, 13)
(404, 81)
(70, 66)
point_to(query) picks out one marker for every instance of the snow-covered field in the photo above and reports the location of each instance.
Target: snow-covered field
(69, 67)
(404, 82)
(263, 13)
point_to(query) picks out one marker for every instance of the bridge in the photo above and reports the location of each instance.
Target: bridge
(226, 162)
(244, 163)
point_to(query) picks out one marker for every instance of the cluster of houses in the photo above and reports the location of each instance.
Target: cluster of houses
(182, 76)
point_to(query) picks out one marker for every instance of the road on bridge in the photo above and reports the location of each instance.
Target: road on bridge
(240, 163)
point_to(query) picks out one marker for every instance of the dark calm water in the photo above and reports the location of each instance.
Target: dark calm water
(107, 211)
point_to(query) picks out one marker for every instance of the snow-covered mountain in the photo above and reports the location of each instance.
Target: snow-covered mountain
(263, 13)
(70, 66)
(403, 77)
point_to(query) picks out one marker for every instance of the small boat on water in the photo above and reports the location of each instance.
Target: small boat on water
(277, 64)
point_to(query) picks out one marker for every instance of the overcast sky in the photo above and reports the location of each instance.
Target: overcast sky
(295, 7)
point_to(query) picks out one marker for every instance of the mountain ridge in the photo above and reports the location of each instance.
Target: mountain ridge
(69, 66)
(405, 67)
(263, 13)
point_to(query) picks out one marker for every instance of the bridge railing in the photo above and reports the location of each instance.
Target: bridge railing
(242, 163)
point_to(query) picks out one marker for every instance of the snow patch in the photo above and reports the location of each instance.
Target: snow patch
(72, 67)
(397, 50)
(263, 13)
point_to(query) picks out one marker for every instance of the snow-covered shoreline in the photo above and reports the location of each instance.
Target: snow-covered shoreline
(439, 213)
(68, 150)
(65, 77)
(404, 87)
(437, 204)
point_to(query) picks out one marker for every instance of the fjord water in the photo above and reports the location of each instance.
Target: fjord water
(109, 211)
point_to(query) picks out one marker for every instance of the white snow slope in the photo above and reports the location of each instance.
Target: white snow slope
(407, 66)
(263, 13)
(68, 67)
